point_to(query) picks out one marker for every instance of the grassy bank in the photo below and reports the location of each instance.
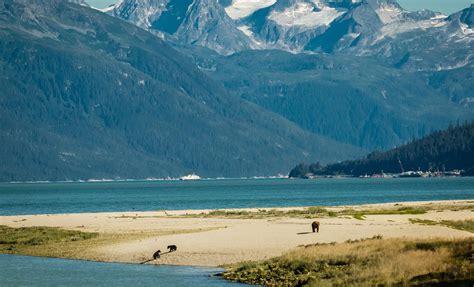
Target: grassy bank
(372, 262)
(321, 211)
(466, 225)
(15, 238)
(307, 212)
(45, 241)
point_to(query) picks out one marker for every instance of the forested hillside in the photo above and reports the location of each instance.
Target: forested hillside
(355, 100)
(369, 74)
(448, 149)
(85, 95)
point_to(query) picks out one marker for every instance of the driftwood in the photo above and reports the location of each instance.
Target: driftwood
(158, 254)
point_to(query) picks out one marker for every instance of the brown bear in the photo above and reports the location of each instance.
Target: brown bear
(315, 226)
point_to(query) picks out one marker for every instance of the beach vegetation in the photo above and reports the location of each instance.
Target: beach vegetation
(307, 212)
(368, 262)
(14, 238)
(466, 225)
(361, 214)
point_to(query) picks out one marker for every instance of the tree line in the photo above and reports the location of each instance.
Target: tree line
(445, 150)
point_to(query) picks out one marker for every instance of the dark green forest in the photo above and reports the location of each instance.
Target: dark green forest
(356, 100)
(449, 149)
(85, 95)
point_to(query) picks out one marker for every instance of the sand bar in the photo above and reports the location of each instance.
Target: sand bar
(219, 241)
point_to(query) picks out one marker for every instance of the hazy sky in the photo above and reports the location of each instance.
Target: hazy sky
(445, 6)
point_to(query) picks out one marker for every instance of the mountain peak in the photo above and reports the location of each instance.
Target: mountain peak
(198, 22)
(467, 16)
(379, 28)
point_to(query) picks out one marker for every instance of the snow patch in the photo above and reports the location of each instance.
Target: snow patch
(439, 17)
(460, 64)
(466, 30)
(106, 9)
(243, 8)
(305, 14)
(246, 30)
(399, 27)
(388, 14)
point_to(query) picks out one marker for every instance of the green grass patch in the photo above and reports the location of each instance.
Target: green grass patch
(308, 212)
(318, 212)
(422, 221)
(466, 225)
(12, 238)
(361, 214)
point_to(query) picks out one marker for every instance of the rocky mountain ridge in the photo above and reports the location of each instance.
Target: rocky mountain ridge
(379, 28)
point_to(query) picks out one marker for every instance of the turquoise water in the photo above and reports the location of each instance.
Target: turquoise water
(43, 198)
(39, 271)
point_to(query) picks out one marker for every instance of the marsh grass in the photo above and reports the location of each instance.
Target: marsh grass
(308, 212)
(370, 262)
(31, 236)
(361, 214)
(466, 225)
(43, 241)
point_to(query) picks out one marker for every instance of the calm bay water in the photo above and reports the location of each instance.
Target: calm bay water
(44, 198)
(39, 271)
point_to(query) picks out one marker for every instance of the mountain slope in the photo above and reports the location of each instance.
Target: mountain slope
(85, 95)
(365, 72)
(355, 100)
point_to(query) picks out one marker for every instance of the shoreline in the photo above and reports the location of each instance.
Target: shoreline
(167, 179)
(206, 238)
(177, 179)
(191, 211)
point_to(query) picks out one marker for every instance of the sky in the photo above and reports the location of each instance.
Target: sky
(444, 6)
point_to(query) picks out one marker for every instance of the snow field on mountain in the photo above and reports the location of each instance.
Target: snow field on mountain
(243, 8)
(305, 14)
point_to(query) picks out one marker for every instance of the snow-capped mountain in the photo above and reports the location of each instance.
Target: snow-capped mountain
(418, 41)
(197, 22)
(289, 24)
(379, 28)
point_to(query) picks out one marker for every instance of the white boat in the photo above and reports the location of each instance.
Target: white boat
(190, 177)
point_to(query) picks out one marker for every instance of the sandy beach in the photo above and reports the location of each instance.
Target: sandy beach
(216, 241)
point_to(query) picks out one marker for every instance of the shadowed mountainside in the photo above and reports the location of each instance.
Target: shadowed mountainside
(85, 95)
